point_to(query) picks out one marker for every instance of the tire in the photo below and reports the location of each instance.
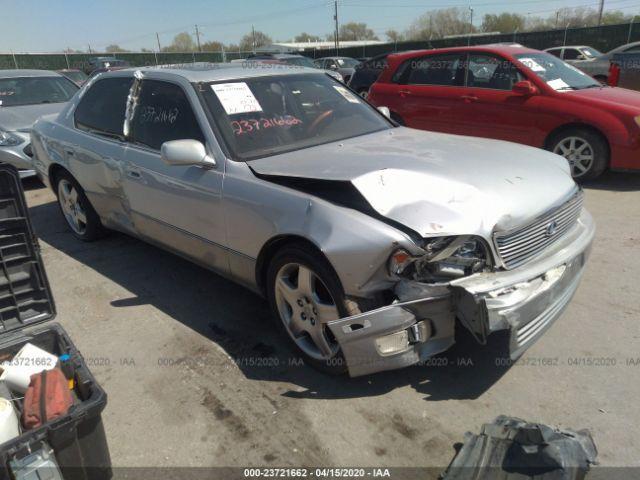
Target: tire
(76, 209)
(364, 93)
(586, 151)
(301, 311)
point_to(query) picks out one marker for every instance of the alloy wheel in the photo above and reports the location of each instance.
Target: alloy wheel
(578, 152)
(70, 203)
(305, 306)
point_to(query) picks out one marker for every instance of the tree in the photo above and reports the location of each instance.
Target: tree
(212, 46)
(356, 31)
(439, 23)
(306, 37)
(261, 39)
(182, 42)
(114, 49)
(503, 22)
(394, 35)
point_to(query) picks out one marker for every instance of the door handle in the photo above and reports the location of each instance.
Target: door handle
(404, 93)
(469, 98)
(133, 173)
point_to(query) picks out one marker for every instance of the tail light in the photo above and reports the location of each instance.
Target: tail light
(614, 75)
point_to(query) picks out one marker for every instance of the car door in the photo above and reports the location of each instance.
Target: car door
(176, 206)
(495, 110)
(428, 93)
(572, 56)
(96, 154)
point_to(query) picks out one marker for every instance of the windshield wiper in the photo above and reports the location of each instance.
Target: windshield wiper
(590, 86)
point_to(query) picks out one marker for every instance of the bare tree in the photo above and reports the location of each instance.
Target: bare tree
(439, 23)
(113, 48)
(503, 22)
(261, 39)
(356, 31)
(182, 42)
(212, 46)
(394, 36)
(306, 37)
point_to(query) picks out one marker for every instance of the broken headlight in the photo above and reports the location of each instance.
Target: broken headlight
(446, 258)
(8, 139)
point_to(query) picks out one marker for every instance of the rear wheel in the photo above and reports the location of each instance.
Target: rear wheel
(586, 151)
(364, 93)
(305, 293)
(76, 209)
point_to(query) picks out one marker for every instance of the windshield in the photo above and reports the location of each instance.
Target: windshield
(347, 62)
(268, 115)
(591, 52)
(34, 90)
(557, 74)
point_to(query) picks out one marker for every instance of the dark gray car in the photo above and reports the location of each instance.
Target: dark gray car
(598, 68)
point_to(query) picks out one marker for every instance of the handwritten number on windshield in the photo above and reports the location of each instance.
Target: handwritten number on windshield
(241, 127)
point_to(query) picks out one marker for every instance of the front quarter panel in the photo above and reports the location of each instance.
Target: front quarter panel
(356, 245)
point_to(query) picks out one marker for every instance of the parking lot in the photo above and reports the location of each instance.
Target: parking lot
(197, 376)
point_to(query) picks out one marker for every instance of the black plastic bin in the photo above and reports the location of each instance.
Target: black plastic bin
(77, 439)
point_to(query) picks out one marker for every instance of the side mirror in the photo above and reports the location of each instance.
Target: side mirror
(581, 57)
(385, 111)
(333, 66)
(524, 88)
(185, 152)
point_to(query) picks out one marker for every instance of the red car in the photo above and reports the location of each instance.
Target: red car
(517, 94)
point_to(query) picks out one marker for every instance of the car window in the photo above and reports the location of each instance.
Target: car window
(101, 109)
(445, 70)
(633, 49)
(163, 113)
(490, 71)
(18, 91)
(555, 52)
(571, 54)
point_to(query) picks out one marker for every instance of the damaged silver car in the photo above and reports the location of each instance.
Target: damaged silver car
(370, 240)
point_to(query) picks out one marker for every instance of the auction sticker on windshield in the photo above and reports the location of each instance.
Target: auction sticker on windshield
(558, 84)
(236, 98)
(532, 64)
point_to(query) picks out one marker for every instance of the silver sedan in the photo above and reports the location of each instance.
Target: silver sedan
(26, 95)
(372, 242)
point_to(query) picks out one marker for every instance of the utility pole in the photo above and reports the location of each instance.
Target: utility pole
(564, 43)
(198, 39)
(335, 17)
(600, 12)
(15, 62)
(89, 45)
(158, 39)
(631, 28)
(557, 18)
(253, 39)
(470, 25)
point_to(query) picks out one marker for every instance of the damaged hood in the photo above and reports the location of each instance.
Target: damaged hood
(22, 118)
(433, 183)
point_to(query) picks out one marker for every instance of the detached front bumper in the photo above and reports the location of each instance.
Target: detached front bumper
(526, 301)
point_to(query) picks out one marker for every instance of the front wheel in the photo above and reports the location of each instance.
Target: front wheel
(586, 151)
(305, 293)
(76, 209)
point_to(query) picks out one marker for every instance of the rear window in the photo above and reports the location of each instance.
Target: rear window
(101, 109)
(19, 91)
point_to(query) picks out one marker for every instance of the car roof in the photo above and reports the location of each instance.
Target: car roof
(28, 73)
(567, 46)
(212, 72)
(504, 49)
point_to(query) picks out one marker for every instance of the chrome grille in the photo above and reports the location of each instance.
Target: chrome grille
(517, 246)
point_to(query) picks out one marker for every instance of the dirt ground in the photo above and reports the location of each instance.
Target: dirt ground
(197, 375)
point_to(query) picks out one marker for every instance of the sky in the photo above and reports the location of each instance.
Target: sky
(50, 26)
